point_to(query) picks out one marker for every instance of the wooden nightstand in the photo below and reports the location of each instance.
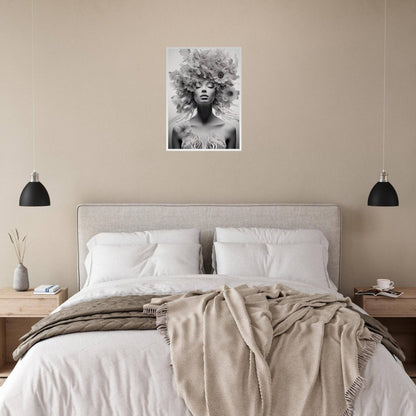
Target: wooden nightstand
(18, 312)
(399, 316)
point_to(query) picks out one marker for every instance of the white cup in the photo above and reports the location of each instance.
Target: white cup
(385, 284)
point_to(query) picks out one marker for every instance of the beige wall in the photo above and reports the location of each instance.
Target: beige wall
(311, 118)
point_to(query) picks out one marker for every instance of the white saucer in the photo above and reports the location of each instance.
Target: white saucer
(383, 290)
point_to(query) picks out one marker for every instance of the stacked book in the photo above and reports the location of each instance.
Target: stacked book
(47, 290)
(377, 292)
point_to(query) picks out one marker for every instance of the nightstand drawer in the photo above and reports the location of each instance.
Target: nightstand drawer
(26, 304)
(30, 307)
(388, 307)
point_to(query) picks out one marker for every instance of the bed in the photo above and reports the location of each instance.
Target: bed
(129, 372)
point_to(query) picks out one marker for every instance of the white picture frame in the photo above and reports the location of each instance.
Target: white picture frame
(203, 99)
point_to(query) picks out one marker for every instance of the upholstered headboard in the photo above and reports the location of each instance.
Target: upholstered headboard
(96, 218)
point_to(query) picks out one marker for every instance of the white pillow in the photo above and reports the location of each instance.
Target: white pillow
(297, 262)
(269, 235)
(188, 235)
(114, 262)
(272, 236)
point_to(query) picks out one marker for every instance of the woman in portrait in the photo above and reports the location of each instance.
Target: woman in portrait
(205, 92)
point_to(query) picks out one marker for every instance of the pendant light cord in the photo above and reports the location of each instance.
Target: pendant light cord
(384, 82)
(33, 90)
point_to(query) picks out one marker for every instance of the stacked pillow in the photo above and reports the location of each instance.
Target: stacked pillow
(295, 255)
(114, 256)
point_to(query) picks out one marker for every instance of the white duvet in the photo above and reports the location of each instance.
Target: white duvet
(128, 373)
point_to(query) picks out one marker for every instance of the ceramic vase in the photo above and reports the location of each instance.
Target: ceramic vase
(21, 278)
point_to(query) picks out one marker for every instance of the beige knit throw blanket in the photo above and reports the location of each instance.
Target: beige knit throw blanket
(265, 351)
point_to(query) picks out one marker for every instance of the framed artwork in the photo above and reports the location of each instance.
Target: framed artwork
(203, 99)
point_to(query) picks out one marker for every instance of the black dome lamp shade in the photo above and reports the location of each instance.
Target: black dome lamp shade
(383, 193)
(34, 194)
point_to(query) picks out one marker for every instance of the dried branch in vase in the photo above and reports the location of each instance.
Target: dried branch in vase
(19, 245)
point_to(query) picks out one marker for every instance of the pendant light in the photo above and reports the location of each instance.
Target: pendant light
(34, 193)
(383, 193)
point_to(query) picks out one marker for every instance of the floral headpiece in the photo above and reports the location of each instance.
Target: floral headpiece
(214, 65)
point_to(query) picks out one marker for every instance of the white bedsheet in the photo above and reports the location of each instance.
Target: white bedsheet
(128, 373)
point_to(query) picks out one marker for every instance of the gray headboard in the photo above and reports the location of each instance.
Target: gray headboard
(96, 218)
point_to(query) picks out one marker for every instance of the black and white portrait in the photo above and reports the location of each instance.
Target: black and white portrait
(203, 94)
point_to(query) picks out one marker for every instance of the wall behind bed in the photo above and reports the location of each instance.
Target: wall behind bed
(311, 119)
